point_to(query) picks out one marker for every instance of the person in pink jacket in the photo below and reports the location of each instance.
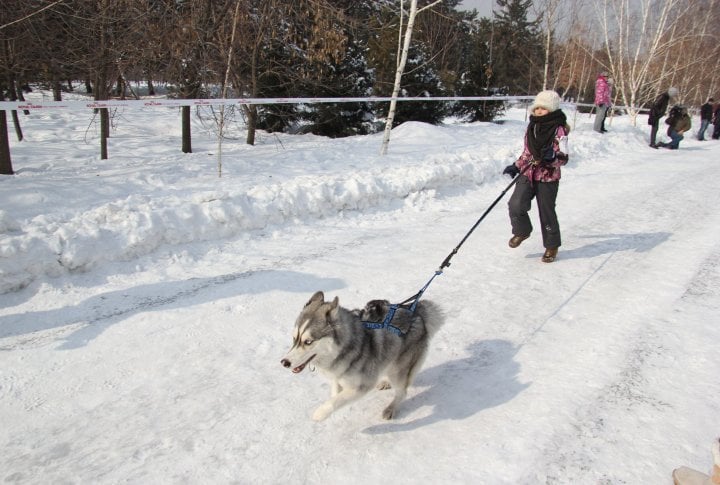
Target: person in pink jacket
(602, 102)
(538, 172)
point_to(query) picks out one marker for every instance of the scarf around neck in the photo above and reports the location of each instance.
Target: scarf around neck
(541, 132)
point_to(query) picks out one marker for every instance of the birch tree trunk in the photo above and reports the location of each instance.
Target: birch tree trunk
(570, 58)
(549, 13)
(221, 122)
(403, 55)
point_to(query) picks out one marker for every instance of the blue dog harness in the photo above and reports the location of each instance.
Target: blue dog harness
(387, 321)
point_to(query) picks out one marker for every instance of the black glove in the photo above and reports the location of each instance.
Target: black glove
(511, 170)
(548, 155)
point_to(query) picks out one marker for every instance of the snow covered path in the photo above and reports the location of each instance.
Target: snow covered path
(599, 368)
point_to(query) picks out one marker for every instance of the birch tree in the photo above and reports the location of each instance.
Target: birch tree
(692, 36)
(404, 40)
(635, 33)
(225, 85)
(577, 60)
(550, 20)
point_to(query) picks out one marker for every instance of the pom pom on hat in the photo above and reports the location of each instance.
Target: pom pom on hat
(550, 100)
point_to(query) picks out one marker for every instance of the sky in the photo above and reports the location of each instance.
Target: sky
(484, 7)
(146, 303)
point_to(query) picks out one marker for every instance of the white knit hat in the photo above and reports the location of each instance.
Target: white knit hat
(672, 92)
(550, 100)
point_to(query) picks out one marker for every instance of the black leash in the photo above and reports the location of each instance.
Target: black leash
(446, 263)
(411, 303)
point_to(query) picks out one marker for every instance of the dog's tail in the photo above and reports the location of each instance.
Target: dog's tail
(432, 315)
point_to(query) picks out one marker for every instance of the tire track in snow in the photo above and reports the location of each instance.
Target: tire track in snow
(595, 429)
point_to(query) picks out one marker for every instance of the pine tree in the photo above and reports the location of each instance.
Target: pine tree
(421, 79)
(475, 73)
(347, 78)
(517, 48)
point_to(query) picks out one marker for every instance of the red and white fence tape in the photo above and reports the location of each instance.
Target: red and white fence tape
(174, 103)
(152, 103)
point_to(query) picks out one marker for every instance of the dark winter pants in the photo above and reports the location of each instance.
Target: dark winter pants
(703, 126)
(675, 139)
(600, 115)
(653, 132)
(545, 193)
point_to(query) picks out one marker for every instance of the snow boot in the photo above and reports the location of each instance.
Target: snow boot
(689, 476)
(515, 241)
(550, 255)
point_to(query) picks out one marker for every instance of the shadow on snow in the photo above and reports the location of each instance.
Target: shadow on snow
(612, 243)
(100, 311)
(461, 388)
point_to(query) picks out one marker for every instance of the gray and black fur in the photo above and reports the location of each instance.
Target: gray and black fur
(356, 358)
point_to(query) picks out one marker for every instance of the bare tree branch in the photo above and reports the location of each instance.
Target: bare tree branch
(31, 14)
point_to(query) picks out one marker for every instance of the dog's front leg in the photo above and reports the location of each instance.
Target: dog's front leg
(342, 398)
(400, 393)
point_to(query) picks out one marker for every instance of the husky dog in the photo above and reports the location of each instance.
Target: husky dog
(354, 356)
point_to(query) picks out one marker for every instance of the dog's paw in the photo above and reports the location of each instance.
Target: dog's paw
(322, 412)
(384, 386)
(388, 412)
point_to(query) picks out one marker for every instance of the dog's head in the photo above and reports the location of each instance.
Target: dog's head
(312, 334)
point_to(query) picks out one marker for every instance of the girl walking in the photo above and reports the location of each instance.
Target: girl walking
(539, 165)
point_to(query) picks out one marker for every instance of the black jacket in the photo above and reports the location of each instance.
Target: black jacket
(706, 111)
(658, 108)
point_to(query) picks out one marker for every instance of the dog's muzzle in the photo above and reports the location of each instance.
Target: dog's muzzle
(287, 364)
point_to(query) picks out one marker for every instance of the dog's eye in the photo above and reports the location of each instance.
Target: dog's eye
(308, 341)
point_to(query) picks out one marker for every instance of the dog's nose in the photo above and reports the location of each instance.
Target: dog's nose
(286, 363)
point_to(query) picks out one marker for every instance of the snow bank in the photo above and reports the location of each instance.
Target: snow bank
(143, 212)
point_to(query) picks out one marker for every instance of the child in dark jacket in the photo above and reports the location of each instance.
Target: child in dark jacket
(539, 173)
(678, 123)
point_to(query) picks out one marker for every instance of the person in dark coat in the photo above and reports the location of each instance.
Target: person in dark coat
(657, 111)
(716, 122)
(706, 115)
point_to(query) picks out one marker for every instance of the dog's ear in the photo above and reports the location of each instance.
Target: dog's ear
(334, 308)
(318, 297)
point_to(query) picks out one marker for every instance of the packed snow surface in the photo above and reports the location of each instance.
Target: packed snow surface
(146, 302)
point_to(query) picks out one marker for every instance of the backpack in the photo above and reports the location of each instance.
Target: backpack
(674, 114)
